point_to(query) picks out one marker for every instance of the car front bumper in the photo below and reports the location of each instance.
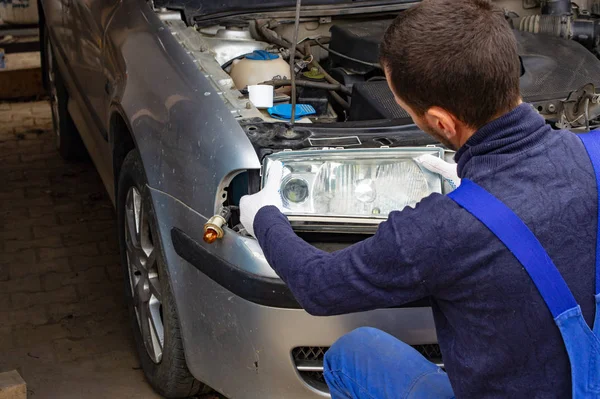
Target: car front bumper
(242, 331)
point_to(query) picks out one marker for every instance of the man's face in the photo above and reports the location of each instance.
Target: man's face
(421, 120)
(424, 125)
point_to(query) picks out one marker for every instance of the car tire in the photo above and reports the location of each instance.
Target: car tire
(148, 291)
(68, 142)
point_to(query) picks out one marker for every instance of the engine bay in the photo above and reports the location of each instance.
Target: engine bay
(339, 80)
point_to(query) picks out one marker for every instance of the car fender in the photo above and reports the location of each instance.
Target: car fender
(188, 139)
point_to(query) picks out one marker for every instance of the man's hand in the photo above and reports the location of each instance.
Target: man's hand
(436, 165)
(269, 195)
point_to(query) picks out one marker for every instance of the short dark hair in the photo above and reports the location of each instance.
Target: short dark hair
(460, 55)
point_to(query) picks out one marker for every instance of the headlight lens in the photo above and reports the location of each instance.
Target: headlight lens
(353, 183)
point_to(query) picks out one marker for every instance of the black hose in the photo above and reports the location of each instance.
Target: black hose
(554, 25)
(271, 36)
(328, 77)
(343, 103)
(371, 64)
(239, 57)
(376, 79)
(308, 83)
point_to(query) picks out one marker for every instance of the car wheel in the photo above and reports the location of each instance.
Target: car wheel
(68, 141)
(147, 289)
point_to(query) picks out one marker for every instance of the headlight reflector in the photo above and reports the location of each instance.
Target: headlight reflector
(294, 190)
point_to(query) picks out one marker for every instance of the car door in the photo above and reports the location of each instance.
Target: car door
(88, 21)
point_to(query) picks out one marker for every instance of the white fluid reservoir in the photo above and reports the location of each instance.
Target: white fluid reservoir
(257, 68)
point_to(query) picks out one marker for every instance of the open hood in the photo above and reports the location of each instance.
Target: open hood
(194, 9)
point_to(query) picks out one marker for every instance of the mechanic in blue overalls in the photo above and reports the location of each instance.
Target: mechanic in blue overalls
(510, 259)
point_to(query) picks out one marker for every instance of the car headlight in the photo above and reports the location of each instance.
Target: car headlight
(357, 184)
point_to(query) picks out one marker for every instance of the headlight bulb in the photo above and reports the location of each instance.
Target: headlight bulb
(295, 190)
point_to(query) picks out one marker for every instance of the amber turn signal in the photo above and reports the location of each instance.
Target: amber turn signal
(210, 236)
(213, 230)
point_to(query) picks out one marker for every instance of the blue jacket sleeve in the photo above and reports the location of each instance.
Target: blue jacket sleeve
(388, 269)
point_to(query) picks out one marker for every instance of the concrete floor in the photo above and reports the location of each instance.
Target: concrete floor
(63, 322)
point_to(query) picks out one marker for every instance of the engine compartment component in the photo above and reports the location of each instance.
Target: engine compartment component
(554, 67)
(257, 67)
(556, 7)
(261, 96)
(563, 19)
(228, 43)
(358, 41)
(317, 98)
(579, 109)
(348, 79)
(373, 101)
(582, 30)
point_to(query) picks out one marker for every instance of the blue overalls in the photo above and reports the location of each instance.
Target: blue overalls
(582, 344)
(364, 363)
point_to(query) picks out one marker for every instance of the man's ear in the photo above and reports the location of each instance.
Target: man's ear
(444, 122)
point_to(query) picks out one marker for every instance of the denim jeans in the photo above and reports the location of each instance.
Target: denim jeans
(368, 363)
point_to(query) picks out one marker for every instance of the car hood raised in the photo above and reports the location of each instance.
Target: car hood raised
(203, 8)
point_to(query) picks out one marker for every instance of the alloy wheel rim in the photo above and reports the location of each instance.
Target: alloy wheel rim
(143, 275)
(53, 94)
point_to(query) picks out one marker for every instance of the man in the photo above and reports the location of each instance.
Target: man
(453, 66)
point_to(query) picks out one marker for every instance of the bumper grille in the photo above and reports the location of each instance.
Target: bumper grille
(309, 353)
(309, 362)
(431, 352)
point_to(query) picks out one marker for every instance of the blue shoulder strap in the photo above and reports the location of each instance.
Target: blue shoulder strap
(519, 240)
(591, 142)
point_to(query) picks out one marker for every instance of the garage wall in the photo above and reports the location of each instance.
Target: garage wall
(18, 11)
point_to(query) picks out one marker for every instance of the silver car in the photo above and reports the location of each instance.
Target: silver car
(159, 94)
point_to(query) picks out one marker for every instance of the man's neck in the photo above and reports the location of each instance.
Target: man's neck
(468, 132)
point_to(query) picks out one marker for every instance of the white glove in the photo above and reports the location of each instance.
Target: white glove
(269, 195)
(445, 169)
